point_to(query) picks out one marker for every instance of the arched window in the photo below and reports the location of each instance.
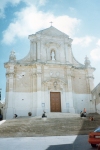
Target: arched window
(53, 55)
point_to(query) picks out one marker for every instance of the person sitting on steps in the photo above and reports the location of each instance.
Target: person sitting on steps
(1, 117)
(82, 114)
(43, 115)
(15, 115)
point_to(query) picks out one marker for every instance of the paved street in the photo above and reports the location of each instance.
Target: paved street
(46, 143)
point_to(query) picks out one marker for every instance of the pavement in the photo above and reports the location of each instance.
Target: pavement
(72, 142)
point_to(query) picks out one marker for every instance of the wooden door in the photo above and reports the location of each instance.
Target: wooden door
(55, 102)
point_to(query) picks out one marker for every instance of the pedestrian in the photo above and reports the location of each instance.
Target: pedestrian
(43, 115)
(84, 114)
(84, 111)
(15, 115)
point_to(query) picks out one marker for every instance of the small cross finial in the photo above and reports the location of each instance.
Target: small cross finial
(51, 23)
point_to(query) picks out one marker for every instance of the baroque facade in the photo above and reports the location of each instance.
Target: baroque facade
(49, 78)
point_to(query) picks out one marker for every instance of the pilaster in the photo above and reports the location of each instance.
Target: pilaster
(38, 50)
(69, 54)
(90, 78)
(70, 94)
(9, 93)
(34, 94)
(33, 50)
(66, 52)
(39, 98)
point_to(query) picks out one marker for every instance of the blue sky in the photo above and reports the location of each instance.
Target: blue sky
(80, 19)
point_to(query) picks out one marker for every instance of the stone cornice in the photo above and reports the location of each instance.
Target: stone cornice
(90, 77)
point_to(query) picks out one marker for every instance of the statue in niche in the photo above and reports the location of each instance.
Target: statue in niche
(52, 55)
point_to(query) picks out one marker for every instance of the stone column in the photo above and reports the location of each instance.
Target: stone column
(39, 98)
(33, 50)
(66, 53)
(70, 94)
(46, 98)
(31, 90)
(9, 93)
(38, 50)
(33, 102)
(90, 79)
(69, 54)
(91, 82)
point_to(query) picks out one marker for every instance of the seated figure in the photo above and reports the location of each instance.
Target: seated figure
(1, 117)
(15, 115)
(84, 114)
(43, 115)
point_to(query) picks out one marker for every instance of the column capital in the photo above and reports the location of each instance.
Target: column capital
(10, 75)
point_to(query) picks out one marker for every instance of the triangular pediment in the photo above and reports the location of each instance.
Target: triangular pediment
(51, 31)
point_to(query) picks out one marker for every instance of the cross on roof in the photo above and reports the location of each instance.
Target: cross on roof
(51, 23)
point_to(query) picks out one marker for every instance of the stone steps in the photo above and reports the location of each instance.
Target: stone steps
(67, 124)
(59, 115)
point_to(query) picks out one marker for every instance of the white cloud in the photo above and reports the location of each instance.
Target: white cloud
(29, 20)
(98, 43)
(3, 4)
(83, 41)
(42, 2)
(66, 24)
(95, 54)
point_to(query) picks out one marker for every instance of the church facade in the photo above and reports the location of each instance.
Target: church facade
(49, 78)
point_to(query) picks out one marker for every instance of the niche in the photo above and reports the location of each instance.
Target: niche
(53, 55)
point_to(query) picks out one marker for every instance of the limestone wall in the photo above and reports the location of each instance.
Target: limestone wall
(96, 98)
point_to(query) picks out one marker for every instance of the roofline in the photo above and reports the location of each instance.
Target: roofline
(95, 87)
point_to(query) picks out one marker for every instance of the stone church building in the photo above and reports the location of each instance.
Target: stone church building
(49, 78)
